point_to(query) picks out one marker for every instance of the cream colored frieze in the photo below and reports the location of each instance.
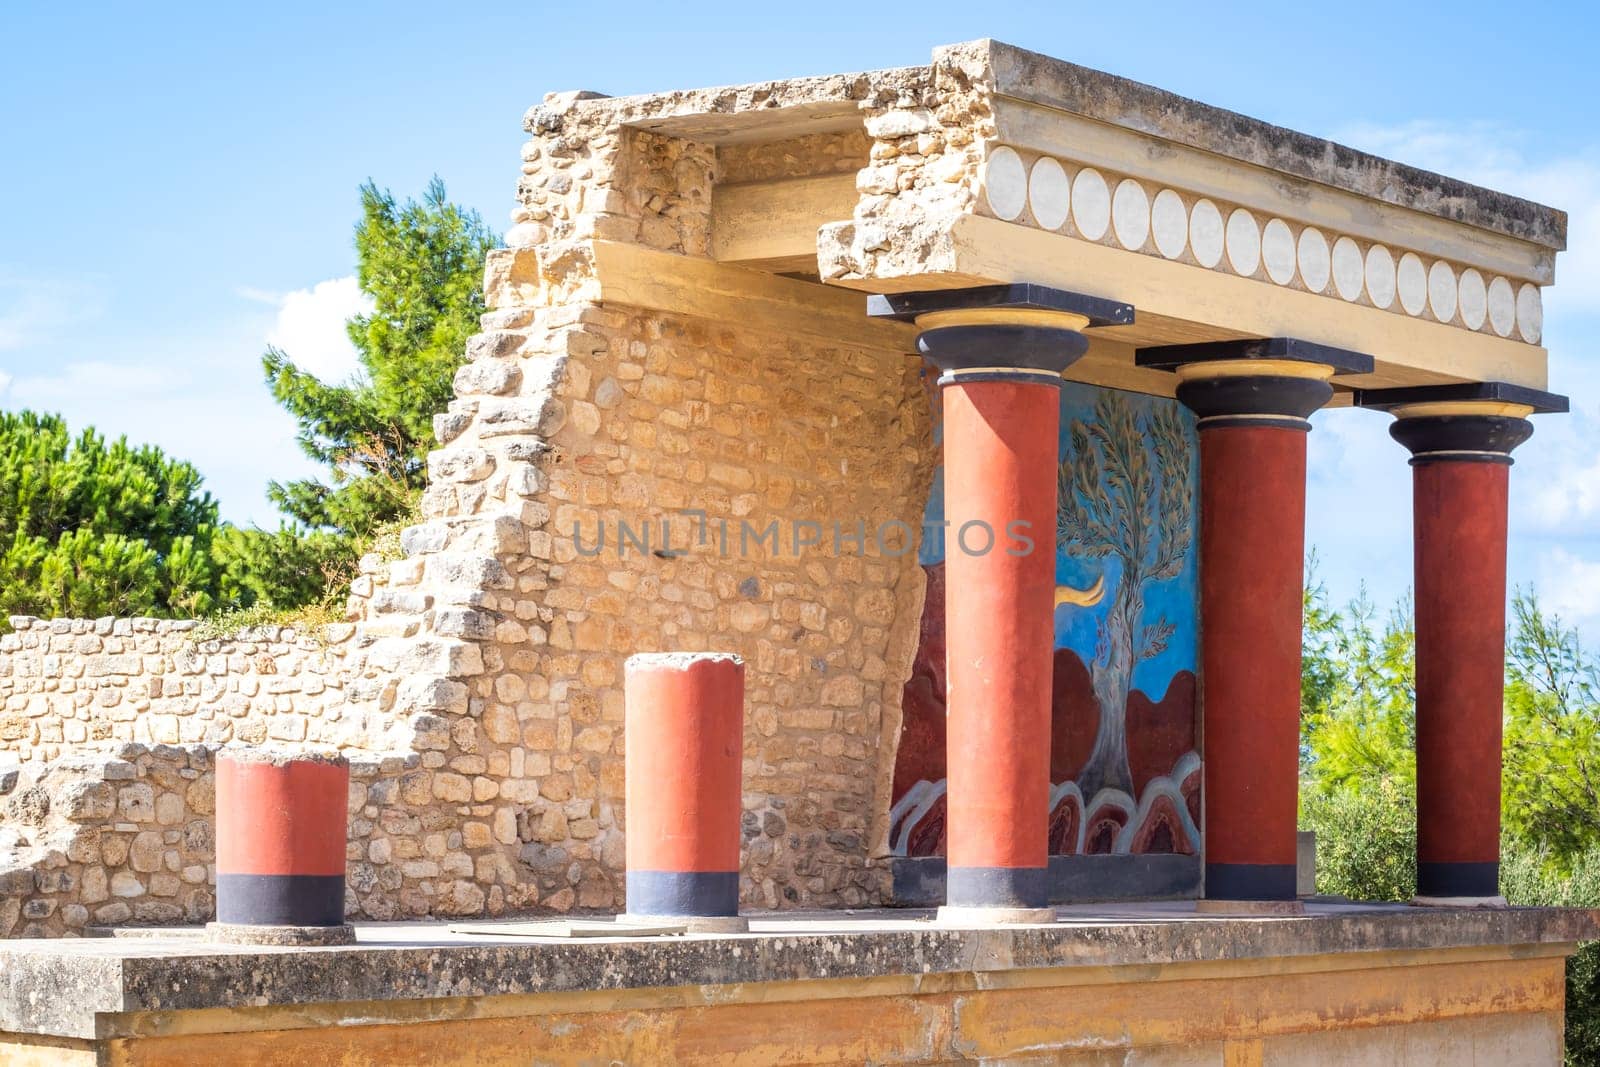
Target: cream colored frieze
(1077, 200)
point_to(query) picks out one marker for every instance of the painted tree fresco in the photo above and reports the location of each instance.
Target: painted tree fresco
(1123, 762)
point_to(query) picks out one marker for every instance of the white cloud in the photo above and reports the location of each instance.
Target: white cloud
(1569, 586)
(5, 381)
(94, 377)
(310, 326)
(1358, 505)
(1557, 477)
(30, 308)
(259, 296)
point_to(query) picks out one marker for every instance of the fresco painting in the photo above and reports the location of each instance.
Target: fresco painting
(1125, 772)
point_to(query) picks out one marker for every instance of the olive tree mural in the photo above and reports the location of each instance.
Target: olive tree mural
(1124, 770)
(1124, 492)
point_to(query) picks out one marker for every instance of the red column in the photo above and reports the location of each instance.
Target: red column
(1001, 350)
(281, 837)
(1000, 459)
(1252, 559)
(1459, 513)
(1460, 438)
(684, 739)
(1253, 410)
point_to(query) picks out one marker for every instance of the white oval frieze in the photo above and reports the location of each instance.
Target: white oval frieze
(1502, 307)
(1005, 183)
(1049, 193)
(1349, 270)
(1244, 242)
(1130, 214)
(1442, 291)
(1277, 251)
(1169, 224)
(1205, 233)
(1312, 255)
(1091, 203)
(1411, 283)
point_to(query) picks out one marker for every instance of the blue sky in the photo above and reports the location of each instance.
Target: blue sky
(180, 185)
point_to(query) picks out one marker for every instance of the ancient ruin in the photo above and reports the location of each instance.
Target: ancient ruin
(698, 418)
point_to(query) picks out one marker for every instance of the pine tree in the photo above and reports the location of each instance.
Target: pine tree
(93, 528)
(422, 264)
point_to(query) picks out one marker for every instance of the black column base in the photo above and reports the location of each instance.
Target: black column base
(997, 887)
(280, 899)
(708, 893)
(1250, 881)
(1458, 879)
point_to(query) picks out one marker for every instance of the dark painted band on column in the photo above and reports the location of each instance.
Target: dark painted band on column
(1458, 879)
(1020, 377)
(1293, 399)
(1271, 422)
(1250, 881)
(280, 899)
(693, 893)
(1491, 458)
(954, 348)
(1489, 438)
(997, 887)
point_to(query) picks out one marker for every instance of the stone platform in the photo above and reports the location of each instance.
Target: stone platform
(1346, 983)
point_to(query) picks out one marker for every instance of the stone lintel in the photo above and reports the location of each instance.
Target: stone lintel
(1021, 296)
(1285, 349)
(1107, 98)
(1463, 392)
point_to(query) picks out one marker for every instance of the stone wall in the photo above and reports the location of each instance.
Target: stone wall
(478, 689)
(123, 834)
(930, 134)
(642, 419)
(119, 835)
(66, 683)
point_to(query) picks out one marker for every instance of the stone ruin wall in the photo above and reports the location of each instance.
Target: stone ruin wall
(68, 683)
(479, 691)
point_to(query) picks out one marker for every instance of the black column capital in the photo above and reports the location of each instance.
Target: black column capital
(1475, 422)
(1268, 381)
(1019, 332)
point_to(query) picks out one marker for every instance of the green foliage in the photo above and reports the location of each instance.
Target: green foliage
(1358, 693)
(90, 527)
(1366, 840)
(422, 264)
(1552, 737)
(308, 621)
(284, 569)
(95, 528)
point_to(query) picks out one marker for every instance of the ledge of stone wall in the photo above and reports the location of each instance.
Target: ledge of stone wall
(67, 683)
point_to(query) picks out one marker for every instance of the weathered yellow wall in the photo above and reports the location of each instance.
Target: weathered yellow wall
(1381, 1008)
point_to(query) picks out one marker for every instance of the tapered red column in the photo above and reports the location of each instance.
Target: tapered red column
(1001, 362)
(1253, 400)
(1000, 444)
(685, 751)
(1461, 465)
